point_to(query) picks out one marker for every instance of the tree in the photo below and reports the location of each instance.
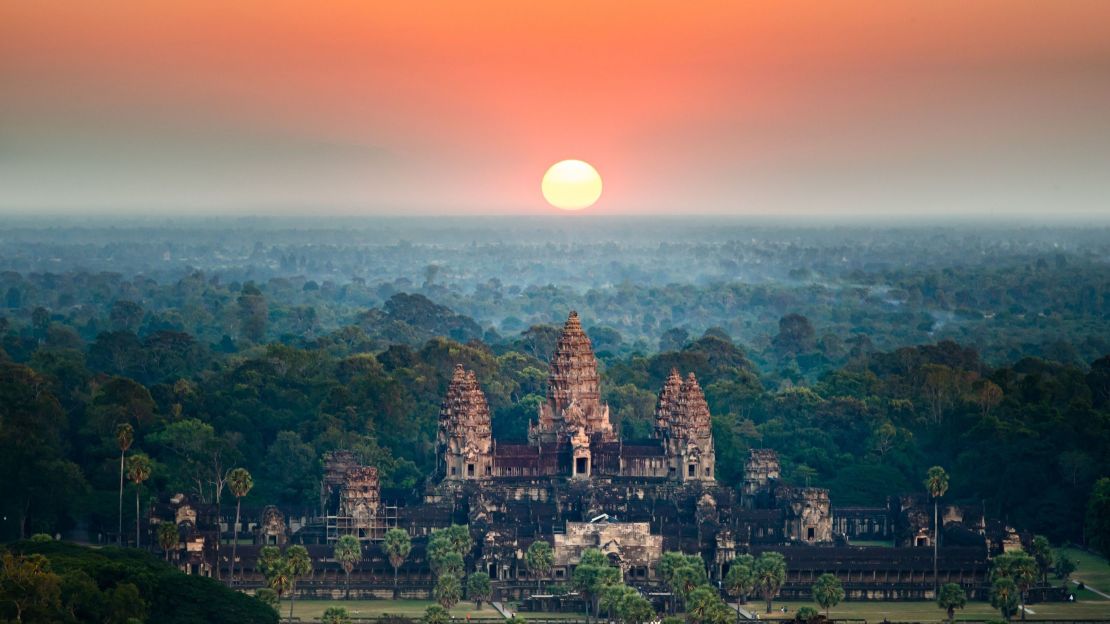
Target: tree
(435, 614)
(167, 537)
(125, 435)
(1097, 526)
(950, 598)
(478, 588)
(240, 482)
(635, 609)
(397, 546)
(449, 562)
(590, 577)
(139, 468)
(448, 590)
(988, 397)
(253, 313)
(740, 580)
(1041, 551)
(1004, 597)
(279, 580)
(940, 386)
(204, 458)
(700, 604)
(297, 564)
(267, 596)
(335, 615)
(770, 574)
(612, 596)
(805, 614)
(668, 563)
(936, 482)
(348, 552)
(1019, 567)
(272, 565)
(1064, 566)
(125, 604)
(828, 592)
(539, 558)
(459, 537)
(685, 579)
(796, 335)
(30, 587)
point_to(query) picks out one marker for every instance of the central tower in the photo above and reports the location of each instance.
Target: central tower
(573, 392)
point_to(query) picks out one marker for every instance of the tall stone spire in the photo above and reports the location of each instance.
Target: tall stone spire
(693, 412)
(464, 441)
(573, 390)
(667, 404)
(688, 436)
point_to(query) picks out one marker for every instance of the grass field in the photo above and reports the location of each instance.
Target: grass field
(929, 612)
(1091, 569)
(306, 609)
(870, 611)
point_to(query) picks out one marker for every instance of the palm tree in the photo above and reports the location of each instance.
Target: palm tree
(740, 580)
(770, 574)
(539, 558)
(448, 591)
(125, 435)
(1004, 597)
(138, 470)
(279, 580)
(397, 546)
(167, 537)
(828, 592)
(951, 597)
(936, 481)
(348, 552)
(240, 482)
(297, 563)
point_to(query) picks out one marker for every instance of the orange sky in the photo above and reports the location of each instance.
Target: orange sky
(449, 107)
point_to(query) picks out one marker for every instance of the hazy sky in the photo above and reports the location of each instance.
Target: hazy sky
(922, 107)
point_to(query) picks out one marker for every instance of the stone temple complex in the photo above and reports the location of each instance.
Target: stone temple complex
(571, 436)
(575, 484)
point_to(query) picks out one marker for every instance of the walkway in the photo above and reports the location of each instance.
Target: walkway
(1089, 588)
(501, 609)
(744, 613)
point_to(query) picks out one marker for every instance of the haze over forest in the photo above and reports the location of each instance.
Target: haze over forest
(862, 353)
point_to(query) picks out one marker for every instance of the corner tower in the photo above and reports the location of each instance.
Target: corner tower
(683, 422)
(573, 392)
(464, 442)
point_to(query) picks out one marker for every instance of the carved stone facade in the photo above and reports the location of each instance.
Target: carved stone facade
(683, 422)
(572, 436)
(573, 392)
(360, 503)
(782, 513)
(576, 485)
(272, 531)
(464, 440)
(760, 472)
(629, 545)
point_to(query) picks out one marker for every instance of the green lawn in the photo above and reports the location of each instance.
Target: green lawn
(306, 609)
(879, 543)
(929, 612)
(1091, 569)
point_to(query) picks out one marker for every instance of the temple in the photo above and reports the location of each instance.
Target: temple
(572, 436)
(575, 484)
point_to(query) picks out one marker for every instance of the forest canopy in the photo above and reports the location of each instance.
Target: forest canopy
(861, 368)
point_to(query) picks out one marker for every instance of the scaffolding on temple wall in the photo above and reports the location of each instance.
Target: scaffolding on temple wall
(371, 530)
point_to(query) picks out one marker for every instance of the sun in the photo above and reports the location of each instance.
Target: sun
(571, 185)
